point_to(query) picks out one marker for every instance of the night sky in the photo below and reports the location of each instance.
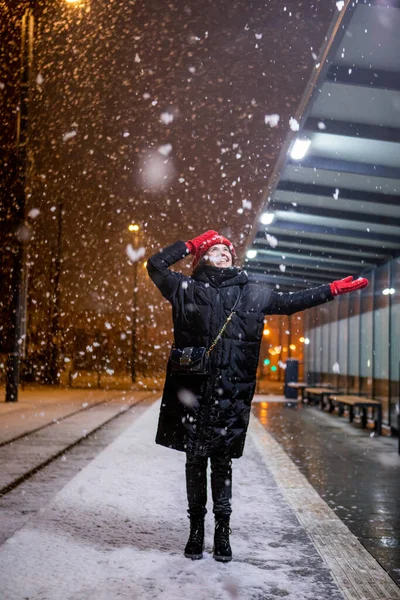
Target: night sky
(154, 111)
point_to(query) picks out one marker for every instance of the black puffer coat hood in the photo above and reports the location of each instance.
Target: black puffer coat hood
(210, 415)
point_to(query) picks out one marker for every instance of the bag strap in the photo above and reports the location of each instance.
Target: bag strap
(221, 331)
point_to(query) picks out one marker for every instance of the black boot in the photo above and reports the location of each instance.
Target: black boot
(195, 545)
(222, 547)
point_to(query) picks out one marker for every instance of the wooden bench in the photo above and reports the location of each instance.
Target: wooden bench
(321, 393)
(358, 402)
(299, 385)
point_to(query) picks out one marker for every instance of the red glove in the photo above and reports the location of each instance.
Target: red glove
(194, 244)
(342, 286)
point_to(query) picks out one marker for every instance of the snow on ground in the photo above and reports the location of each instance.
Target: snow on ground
(118, 529)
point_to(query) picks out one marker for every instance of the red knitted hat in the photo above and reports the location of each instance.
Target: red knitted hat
(211, 240)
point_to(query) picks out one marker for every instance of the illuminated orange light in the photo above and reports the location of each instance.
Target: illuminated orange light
(292, 346)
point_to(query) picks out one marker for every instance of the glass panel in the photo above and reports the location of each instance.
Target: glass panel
(325, 349)
(318, 351)
(395, 344)
(366, 339)
(311, 350)
(333, 337)
(354, 354)
(343, 354)
(381, 340)
(353, 383)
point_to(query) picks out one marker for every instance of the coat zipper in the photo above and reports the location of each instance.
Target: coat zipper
(209, 385)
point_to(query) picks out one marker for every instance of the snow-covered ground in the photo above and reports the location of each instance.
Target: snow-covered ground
(118, 529)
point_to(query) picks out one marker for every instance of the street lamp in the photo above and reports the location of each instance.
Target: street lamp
(135, 229)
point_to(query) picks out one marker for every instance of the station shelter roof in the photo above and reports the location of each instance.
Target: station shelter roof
(334, 196)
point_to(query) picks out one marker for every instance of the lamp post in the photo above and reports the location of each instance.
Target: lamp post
(134, 228)
(53, 349)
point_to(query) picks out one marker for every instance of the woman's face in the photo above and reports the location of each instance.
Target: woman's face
(219, 256)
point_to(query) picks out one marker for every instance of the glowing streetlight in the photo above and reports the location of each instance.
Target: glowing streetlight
(267, 218)
(135, 229)
(300, 148)
(266, 332)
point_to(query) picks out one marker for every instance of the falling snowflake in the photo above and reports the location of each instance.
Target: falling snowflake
(336, 194)
(340, 5)
(272, 241)
(272, 120)
(155, 171)
(247, 204)
(187, 398)
(137, 58)
(321, 125)
(282, 268)
(165, 149)
(336, 367)
(33, 213)
(294, 124)
(39, 79)
(69, 135)
(134, 255)
(166, 118)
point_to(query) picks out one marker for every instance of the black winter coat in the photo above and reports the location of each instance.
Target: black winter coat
(209, 415)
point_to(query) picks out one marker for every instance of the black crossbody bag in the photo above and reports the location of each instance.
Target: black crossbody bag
(195, 360)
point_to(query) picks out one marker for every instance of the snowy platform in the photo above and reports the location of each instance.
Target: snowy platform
(118, 529)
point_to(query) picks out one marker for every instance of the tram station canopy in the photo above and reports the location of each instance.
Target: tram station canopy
(334, 198)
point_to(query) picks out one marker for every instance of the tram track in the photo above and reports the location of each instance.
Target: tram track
(55, 421)
(30, 452)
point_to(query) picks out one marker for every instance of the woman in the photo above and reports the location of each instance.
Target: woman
(206, 416)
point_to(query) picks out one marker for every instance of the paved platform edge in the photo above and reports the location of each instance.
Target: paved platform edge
(358, 575)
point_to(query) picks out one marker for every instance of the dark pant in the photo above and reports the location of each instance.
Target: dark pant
(221, 485)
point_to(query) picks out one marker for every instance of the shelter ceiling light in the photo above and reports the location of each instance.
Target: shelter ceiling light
(300, 148)
(388, 291)
(267, 218)
(251, 253)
